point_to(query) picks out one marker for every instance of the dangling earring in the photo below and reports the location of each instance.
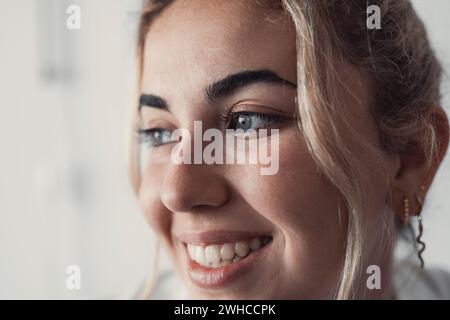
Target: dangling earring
(420, 242)
(419, 236)
(406, 212)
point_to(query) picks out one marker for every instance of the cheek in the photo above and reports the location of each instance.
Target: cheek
(154, 210)
(298, 198)
(302, 205)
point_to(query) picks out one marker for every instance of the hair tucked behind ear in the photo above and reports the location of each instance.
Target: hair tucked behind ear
(406, 77)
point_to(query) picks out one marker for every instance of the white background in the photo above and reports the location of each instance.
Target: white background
(64, 192)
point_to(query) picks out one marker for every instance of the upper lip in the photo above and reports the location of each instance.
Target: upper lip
(217, 236)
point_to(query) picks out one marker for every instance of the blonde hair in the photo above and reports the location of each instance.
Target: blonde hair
(406, 77)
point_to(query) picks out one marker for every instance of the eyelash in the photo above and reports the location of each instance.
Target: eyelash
(227, 117)
(230, 117)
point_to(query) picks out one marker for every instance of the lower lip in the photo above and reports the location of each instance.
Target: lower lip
(209, 278)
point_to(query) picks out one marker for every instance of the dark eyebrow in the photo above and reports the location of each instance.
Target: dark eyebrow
(243, 78)
(150, 100)
(222, 87)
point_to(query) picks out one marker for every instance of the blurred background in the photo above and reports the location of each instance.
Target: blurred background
(65, 198)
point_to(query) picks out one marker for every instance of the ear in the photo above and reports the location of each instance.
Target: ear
(414, 177)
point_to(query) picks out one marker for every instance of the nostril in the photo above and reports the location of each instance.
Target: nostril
(189, 187)
(180, 203)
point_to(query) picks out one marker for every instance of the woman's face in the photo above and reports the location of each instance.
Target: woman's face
(231, 231)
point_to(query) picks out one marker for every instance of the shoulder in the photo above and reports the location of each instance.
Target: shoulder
(411, 282)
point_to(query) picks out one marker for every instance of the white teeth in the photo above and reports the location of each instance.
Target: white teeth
(227, 251)
(200, 255)
(191, 250)
(212, 254)
(236, 259)
(226, 262)
(241, 248)
(255, 244)
(216, 256)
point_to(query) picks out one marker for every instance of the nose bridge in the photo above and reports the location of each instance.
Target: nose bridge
(186, 186)
(188, 181)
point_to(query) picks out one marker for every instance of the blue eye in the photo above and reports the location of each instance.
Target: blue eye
(253, 120)
(155, 137)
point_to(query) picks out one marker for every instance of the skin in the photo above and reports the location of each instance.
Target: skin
(192, 44)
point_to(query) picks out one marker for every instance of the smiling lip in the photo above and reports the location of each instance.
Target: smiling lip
(213, 278)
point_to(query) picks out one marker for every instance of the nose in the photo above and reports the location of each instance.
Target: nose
(189, 186)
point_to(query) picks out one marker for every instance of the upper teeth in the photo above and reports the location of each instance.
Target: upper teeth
(218, 255)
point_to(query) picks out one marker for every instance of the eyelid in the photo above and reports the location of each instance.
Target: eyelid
(153, 118)
(257, 108)
(157, 124)
(251, 107)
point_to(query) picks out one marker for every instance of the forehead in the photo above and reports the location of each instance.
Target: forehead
(196, 42)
